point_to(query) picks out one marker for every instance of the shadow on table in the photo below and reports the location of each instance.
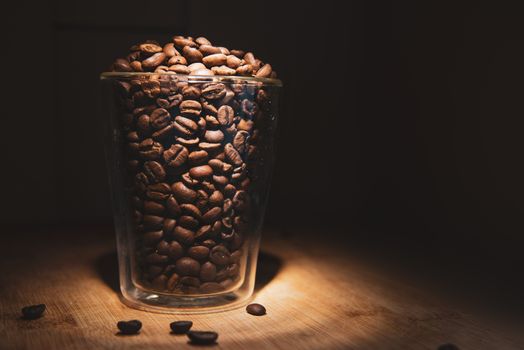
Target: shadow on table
(268, 267)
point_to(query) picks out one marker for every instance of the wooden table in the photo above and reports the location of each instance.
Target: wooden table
(317, 297)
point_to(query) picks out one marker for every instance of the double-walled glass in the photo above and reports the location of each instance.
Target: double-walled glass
(190, 160)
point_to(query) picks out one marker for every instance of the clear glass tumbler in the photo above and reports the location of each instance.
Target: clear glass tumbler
(190, 160)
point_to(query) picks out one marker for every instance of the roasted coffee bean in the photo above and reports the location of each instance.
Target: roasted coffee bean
(212, 215)
(235, 256)
(163, 133)
(152, 221)
(158, 192)
(152, 237)
(177, 60)
(232, 155)
(122, 65)
(160, 118)
(149, 48)
(187, 267)
(188, 142)
(192, 55)
(202, 338)
(240, 200)
(188, 222)
(216, 59)
(249, 108)
(154, 171)
(151, 207)
(208, 271)
(245, 69)
(182, 193)
(156, 258)
(198, 252)
(201, 172)
(154, 60)
(172, 206)
(180, 42)
(233, 62)
(175, 156)
(168, 226)
(211, 287)
(202, 41)
(190, 107)
(150, 149)
(203, 231)
(209, 243)
(219, 255)
(180, 327)
(179, 68)
(222, 274)
(191, 92)
(185, 126)
(241, 141)
(33, 312)
(188, 180)
(214, 136)
(213, 91)
(172, 282)
(175, 250)
(129, 327)
(183, 235)
(256, 309)
(198, 157)
(264, 72)
(209, 147)
(170, 51)
(159, 282)
(162, 248)
(189, 281)
(216, 199)
(153, 271)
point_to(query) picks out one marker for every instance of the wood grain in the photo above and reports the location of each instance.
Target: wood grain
(317, 297)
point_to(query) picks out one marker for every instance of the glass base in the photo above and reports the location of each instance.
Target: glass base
(176, 304)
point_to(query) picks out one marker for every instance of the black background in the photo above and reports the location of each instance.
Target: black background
(400, 125)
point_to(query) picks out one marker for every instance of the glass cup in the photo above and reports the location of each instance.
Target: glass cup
(190, 161)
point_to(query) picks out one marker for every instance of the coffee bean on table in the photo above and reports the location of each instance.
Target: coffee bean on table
(33, 312)
(129, 327)
(180, 327)
(202, 337)
(256, 309)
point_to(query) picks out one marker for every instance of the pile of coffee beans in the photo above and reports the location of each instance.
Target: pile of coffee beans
(185, 55)
(192, 148)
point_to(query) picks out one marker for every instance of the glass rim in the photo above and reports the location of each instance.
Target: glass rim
(194, 78)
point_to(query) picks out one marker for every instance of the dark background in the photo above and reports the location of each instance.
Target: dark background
(400, 126)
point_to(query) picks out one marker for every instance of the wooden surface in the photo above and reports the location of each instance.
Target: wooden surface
(317, 297)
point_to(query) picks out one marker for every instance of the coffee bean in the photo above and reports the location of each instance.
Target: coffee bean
(152, 237)
(163, 133)
(189, 181)
(216, 198)
(256, 309)
(211, 287)
(122, 65)
(188, 222)
(150, 149)
(158, 192)
(219, 255)
(224, 70)
(177, 60)
(169, 50)
(151, 207)
(208, 146)
(190, 107)
(185, 126)
(212, 215)
(188, 142)
(198, 157)
(216, 59)
(154, 171)
(214, 136)
(245, 69)
(33, 312)
(213, 91)
(129, 327)
(241, 141)
(202, 338)
(159, 282)
(232, 154)
(200, 172)
(208, 271)
(152, 221)
(184, 235)
(154, 60)
(182, 193)
(172, 206)
(187, 267)
(238, 53)
(191, 54)
(168, 226)
(180, 42)
(233, 62)
(209, 50)
(226, 115)
(180, 327)
(198, 252)
(264, 72)
(172, 282)
(175, 250)
(175, 156)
